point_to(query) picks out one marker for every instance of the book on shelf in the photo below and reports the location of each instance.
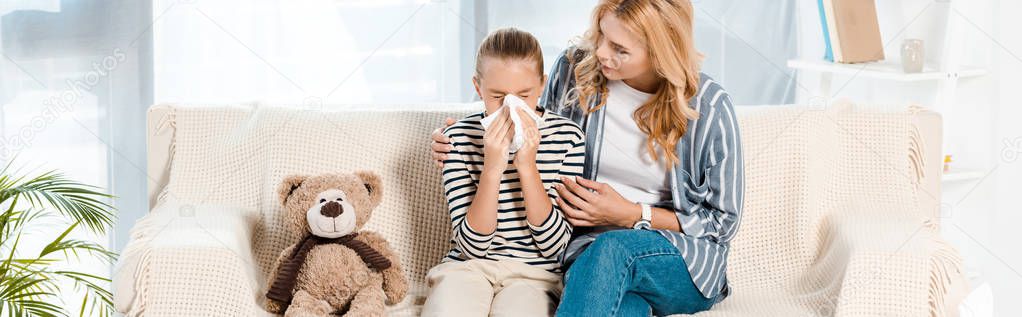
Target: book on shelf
(828, 53)
(852, 30)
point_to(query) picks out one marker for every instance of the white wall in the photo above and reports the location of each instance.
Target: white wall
(1005, 258)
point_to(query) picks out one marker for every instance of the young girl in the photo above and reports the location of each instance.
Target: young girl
(507, 229)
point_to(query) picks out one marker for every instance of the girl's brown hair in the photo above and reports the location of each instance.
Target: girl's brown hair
(665, 28)
(510, 44)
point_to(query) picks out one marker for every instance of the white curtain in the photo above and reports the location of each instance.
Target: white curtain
(73, 93)
(747, 45)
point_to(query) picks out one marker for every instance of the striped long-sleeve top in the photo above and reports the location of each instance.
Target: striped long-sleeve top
(707, 184)
(561, 152)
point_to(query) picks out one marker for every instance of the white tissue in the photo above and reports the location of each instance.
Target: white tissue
(512, 102)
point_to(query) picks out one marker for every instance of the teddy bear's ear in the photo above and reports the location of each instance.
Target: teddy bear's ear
(288, 186)
(373, 184)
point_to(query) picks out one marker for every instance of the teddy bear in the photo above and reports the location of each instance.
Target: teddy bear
(335, 268)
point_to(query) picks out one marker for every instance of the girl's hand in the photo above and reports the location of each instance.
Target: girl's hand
(441, 144)
(526, 155)
(604, 207)
(497, 141)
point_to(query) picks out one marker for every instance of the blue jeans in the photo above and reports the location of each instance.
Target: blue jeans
(630, 273)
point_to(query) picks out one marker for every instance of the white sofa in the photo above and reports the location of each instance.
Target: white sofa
(841, 216)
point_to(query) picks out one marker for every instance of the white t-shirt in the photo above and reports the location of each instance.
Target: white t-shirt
(624, 162)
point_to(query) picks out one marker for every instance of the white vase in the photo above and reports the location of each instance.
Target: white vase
(912, 57)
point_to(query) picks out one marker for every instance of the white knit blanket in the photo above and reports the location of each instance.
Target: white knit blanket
(830, 226)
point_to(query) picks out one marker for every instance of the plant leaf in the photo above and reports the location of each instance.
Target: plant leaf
(79, 201)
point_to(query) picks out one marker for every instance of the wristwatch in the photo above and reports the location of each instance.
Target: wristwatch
(647, 217)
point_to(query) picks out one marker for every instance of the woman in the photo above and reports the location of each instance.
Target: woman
(661, 194)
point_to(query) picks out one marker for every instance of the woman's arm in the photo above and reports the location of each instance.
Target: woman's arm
(714, 212)
(560, 81)
(604, 206)
(663, 218)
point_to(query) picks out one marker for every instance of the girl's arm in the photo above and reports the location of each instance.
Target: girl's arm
(462, 196)
(474, 208)
(482, 212)
(550, 230)
(537, 203)
(553, 235)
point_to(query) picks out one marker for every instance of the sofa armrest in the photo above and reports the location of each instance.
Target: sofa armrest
(195, 254)
(882, 260)
(160, 129)
(929, 139)
(196, 281)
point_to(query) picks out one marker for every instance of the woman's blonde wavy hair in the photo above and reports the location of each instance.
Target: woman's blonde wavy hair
(665, 28)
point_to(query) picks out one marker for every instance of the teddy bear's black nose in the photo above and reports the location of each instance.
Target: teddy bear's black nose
(331, 209)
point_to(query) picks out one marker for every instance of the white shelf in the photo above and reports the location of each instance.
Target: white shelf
(881, 70)
(962, 175)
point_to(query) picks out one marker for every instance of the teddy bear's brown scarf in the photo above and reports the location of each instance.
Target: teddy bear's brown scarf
(287, 274)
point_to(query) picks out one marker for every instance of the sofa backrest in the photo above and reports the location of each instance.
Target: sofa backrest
(237, 155)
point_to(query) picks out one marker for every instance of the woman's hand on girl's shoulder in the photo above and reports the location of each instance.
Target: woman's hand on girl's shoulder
(441, 144)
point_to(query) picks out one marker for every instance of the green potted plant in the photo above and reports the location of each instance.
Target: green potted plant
(33, 280)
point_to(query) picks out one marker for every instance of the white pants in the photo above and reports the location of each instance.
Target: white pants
(491, 288)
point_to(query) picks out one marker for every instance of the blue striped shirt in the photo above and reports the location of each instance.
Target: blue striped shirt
(707, 183)
(560, 153)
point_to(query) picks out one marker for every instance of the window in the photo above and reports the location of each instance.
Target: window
(311, 52)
